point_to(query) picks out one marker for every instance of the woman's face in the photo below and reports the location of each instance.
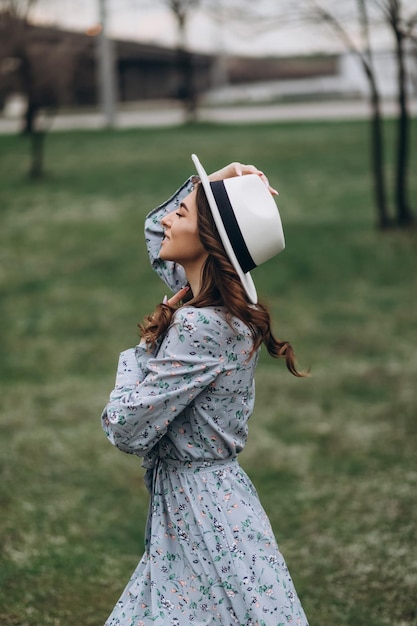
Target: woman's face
(181, 242)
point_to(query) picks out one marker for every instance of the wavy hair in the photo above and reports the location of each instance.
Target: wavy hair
(221, 286)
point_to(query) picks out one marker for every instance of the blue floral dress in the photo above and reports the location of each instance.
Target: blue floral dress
(211, 558)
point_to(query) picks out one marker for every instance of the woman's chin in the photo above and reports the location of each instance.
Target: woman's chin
(165, 256)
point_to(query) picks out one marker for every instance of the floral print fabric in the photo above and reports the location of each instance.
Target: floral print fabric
(211, 558)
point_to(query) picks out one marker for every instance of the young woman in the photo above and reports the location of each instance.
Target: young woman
(182, 400)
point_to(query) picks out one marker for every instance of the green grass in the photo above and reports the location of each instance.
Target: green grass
(333, 457)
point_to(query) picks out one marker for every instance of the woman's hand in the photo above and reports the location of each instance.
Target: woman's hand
(239, 169)
(176, 298)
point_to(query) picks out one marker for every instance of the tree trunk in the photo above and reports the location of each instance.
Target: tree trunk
(187, 92)
(377, 154)
(29, 118)
(37, 153)
(27, 82)
(404, 215)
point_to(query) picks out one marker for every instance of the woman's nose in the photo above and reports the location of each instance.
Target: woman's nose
(166, 220)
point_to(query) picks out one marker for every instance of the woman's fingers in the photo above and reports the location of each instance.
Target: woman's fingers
(240, 169)
(233, 169)
(177, 297)
(264, 179)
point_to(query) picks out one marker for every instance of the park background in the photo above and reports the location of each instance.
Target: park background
(333, 457)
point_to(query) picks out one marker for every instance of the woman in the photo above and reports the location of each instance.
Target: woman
(182, 400)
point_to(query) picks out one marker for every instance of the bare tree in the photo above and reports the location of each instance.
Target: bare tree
(339, 17)
(43, 78)
(14, 15)
(18, 9)
(363, 52)
(402, 30)
(14, 24)
(181, 10)
(347, 23)
(187, 90)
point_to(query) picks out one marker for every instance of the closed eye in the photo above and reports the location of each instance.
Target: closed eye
(179, 214)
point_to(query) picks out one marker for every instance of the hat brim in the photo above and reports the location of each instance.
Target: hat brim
(245, 278)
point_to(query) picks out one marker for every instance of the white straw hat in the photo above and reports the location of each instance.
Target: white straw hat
(248, 222)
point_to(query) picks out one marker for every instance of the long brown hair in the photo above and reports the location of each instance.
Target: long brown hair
(221, 286)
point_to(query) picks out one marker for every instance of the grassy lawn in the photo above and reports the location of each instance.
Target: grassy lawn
(333, 457)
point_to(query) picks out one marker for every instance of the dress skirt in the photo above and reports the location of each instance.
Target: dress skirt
(211, 557)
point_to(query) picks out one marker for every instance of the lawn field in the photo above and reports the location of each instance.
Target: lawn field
(334, 456)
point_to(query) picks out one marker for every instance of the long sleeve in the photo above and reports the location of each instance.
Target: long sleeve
(131, 371)
(190, 358)
(171, 273)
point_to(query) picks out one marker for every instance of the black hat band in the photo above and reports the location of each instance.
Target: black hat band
(231, 226)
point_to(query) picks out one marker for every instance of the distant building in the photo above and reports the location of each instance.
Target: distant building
(335, 76)
(385, 64)
(142, 71)
(66, 70)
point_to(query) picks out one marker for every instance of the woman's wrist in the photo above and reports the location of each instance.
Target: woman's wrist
(239, 169)
(229, 171)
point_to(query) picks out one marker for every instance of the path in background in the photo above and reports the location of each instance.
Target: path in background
(165, 114)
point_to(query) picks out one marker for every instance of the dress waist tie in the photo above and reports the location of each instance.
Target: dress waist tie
(179, 466)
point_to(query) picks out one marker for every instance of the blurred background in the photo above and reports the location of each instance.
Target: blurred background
(116, 57)
(102, 103)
